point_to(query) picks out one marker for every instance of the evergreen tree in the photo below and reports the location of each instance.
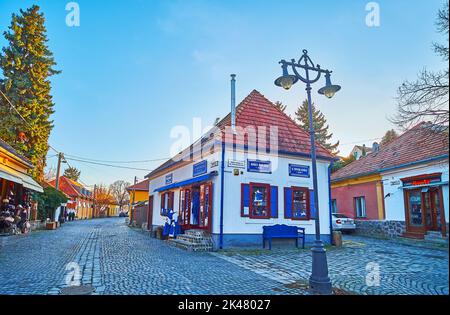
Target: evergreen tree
(27, 63)
(280, 106)
(320, 126)
(388, 137)
(72, 173)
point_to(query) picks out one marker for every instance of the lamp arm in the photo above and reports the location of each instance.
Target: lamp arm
(304, 80)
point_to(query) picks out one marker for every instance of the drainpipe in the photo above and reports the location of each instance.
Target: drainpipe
(222, 184)
(329, 203)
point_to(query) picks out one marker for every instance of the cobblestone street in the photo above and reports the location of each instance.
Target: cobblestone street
(115, 259)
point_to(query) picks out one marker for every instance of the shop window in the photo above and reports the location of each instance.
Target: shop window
(166, 203)
(259, 201)
(297, 203)
(334, 208)
(360, 207)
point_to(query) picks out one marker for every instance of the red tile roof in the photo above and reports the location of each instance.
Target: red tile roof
(142, 186)
(421, 143)
(256, 111)
(69, 187)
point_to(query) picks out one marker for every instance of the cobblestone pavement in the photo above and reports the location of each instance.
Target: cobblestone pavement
(403, 269)
(115, 259)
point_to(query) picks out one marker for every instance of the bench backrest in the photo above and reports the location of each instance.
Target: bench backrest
(280, 230)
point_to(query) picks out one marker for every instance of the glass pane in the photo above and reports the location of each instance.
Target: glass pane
(437, 205)
(202, 206)
(299, 204)
(415, 207)
(259, 201)
(427, 209)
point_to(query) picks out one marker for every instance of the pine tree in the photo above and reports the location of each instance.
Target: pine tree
(72, 173)
(280, 106)
(388, 137)
(320, 126)
(27, 63)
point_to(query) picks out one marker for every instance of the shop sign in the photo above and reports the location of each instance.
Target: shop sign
(169, 179)
(299, 170)
(214, 164)
(257, 166)
(200, 168)
(236, 164)
(421, 182)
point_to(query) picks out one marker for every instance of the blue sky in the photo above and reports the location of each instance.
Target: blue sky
(134, 69)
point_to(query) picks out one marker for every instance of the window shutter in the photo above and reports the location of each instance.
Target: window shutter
(287, 203)
(245, 199)
(273, 201)
(312, 205)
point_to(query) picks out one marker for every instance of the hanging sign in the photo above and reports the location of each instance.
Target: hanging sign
(299, 170)
(200, 168)
(236, 164)
(257, 166)
(169, 179)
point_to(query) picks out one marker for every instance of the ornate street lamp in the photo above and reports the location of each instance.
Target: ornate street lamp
(319, 280)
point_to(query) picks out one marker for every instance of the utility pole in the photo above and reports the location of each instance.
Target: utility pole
(58, 171)
(132, 201)
(93, 204)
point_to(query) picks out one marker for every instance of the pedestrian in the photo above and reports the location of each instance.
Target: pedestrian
(66, 215)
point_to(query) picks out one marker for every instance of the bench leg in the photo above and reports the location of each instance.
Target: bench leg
(264, 243)
(303, 242)
(270, 244)
(296, 242)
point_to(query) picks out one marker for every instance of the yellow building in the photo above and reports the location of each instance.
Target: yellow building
(138, 193)
(15, 184)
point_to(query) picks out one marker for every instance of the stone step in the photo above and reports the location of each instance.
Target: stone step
(186, 245)
(199, 233)
(194, 239)
(436, 237)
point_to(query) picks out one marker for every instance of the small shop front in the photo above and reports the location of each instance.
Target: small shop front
(188, 204)
(424, 204)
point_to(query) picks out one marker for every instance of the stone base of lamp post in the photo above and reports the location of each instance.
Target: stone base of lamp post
(319, 282)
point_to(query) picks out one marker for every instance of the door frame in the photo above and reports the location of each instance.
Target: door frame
(150, 213)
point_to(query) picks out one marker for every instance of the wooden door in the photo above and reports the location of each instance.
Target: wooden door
(150, 213)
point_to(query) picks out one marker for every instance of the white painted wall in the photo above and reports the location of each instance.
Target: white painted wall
(394, 204)
(233, 222)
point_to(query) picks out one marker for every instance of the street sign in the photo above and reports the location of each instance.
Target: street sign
(200, 168)
(296, 170)
(257, 166)
(236, 164)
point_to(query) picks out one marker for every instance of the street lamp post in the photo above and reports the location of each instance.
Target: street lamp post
(319, 280)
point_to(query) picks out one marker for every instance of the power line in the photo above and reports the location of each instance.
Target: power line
(109, 165)
(118, 162)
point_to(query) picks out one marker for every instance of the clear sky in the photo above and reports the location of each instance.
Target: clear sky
(134, 69)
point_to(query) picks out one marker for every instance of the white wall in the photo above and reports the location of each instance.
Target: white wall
(233, 222)
(394, 204)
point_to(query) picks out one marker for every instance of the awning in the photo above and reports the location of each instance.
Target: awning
(425, 185)
(187, 182)
(10, 177)
(31, 184)
(19, 178)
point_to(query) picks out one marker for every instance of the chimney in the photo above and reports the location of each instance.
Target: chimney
(233, 103)
(375, 147)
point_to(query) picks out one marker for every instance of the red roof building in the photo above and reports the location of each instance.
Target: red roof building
(81, 199)
(404, 181)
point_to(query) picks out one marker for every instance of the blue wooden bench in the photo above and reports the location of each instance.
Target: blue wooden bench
(283, 231)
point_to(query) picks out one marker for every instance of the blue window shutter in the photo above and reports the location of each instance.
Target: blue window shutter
(287, 203)
(312, 204)
(246, 195)
(245, 200)
(273, 201)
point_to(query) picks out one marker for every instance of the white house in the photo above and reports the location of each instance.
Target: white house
(401, 189)
(234, 181)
